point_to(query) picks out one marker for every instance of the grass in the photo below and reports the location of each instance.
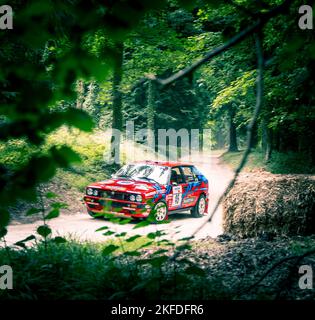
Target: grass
(280, 163)
(87, 271)
(125, 246)
(255, 160)
(92, 148)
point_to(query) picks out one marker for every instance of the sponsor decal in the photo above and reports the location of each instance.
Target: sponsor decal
(189, 200)
(125, 183)
(117, 188)
(177, 196)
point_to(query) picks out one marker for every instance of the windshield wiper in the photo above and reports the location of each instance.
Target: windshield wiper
(149, 179)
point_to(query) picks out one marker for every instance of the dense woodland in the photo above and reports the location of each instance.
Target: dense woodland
(221, 94)
(93, 65)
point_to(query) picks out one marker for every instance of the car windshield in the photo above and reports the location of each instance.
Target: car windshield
(152, 173)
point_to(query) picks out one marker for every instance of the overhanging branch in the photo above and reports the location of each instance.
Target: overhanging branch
(256, 26)
(250, 129)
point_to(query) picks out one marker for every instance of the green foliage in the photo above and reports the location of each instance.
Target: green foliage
(109, 249)
(94, 273)
(280, 163)
(238, 90)
(291, 162)
(44, 231)
(39, 66)
(91, 148)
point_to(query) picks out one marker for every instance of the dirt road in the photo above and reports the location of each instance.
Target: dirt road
(82, 226)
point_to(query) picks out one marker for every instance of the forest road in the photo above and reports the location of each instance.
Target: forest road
(81, 226)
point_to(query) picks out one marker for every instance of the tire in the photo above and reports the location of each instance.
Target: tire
(200, 207)
(161, 212)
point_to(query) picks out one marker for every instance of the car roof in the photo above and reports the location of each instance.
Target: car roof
(164, 163)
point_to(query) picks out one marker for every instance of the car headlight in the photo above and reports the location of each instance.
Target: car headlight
(132, 198)
(89, 191)
(139, 198)
(95, 192)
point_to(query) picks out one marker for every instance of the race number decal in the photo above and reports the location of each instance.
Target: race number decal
(177, 196)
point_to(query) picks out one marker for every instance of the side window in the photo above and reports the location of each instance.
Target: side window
(176, 176)
(189, 175)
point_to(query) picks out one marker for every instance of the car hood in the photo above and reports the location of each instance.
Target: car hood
(126, 185)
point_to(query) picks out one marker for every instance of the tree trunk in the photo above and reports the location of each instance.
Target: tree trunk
(150, 114)
(266, 142)
(232, 132)
(80, 94)
(117, 105)
(254, 140)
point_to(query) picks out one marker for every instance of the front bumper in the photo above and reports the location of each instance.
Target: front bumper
(119, 208)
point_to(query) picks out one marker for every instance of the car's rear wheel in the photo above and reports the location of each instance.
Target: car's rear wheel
(160, 212)
(200, 208)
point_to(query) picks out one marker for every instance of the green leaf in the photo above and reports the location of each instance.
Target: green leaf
(194, 270)
(124, 221)
(153, 235)
(108, 233)
(183, 247)
(3, 232)
(79, 119)
(42, 168)
(99, 214)
(44, 231)
(109, 249)
(59, 205)
(64, 156)
(29, 238)
(52, 214)
(114, 220)
(158, 261)
(119, 235)
(59, 240)
(4, 218)
(101, 229)
(146, 244)
(160, 251)
(186, 238)
(50, 195)
(132, 253)
(21, 243)
(33, 211)
(141, 224)
(133, 238)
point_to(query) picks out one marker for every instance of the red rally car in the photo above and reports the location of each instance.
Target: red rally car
(150, 188)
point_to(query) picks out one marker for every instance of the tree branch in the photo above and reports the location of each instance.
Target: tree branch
(264, 18)
(259, 102)
(298, 258)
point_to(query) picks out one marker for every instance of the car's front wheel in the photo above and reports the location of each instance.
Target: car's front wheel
(200, 207)
(160, 212)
